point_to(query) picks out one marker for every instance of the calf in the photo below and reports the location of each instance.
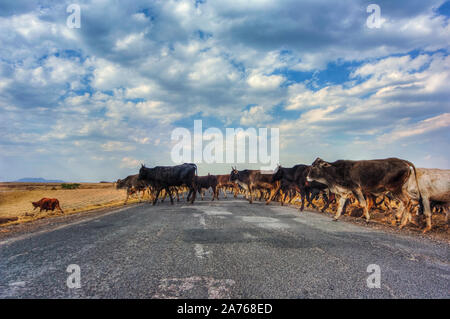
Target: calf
(224, 183)
(47, 204)
(254, 179)
(205, 182)
(133, 186)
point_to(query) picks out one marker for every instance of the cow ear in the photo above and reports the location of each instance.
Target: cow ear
(317, 161)
(325, 164)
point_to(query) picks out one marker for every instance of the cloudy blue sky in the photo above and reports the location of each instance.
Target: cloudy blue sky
(90, 104)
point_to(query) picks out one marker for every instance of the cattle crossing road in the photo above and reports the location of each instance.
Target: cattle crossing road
(220, 249)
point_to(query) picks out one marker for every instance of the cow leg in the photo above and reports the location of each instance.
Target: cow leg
(126, 199)
(59, 207)
(213, 192)
(250, 194)
(427, 213)
(309, 199)
(178, 195)
(188, 197)
(193, 192)
(362, 201)
(156, 196)
(272, 194)
(216, 191)
(285, 201)
(278, 197)
(302, 195)
(170, 194)
(193, 197)
(380, 202)
(224, 192)
(341, 206)
(326, 201)
(404, 214)
(403, 209)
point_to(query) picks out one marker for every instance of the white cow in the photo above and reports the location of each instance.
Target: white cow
(434, 185)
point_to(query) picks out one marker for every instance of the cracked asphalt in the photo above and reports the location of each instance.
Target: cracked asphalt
(220, 249)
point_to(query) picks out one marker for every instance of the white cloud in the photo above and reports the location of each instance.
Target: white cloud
(264, 82)
(130, 162)
(422, 127)
(112, 146)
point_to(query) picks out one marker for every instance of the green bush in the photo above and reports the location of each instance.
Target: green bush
(70, 186)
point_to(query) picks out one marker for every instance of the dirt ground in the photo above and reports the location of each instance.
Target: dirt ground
(16, 198)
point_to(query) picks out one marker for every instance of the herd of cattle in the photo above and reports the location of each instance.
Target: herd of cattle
(388, 180)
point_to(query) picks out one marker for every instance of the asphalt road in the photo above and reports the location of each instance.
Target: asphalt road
(220, 249)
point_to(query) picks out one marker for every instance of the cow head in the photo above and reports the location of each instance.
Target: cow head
(278, 175)
(142, 172)
(119, 184)
(35, 204)
(234, 175)
(318, 171)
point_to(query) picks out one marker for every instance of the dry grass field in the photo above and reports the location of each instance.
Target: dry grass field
(16, 198)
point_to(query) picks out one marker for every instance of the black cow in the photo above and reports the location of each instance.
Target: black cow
(133, 186)
(308, 190)
(205, 182)
(163, 177)
(363, 178)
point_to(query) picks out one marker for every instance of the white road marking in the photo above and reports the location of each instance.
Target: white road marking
(248, 236)
(17, 284)
(174, 288)
(202, 221)
(200, 253)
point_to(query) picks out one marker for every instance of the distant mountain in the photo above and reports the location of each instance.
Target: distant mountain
(38, 180)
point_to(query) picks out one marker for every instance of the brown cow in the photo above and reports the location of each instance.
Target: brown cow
(223, 182)
(47, 204)
(253, 179)
(362, 178)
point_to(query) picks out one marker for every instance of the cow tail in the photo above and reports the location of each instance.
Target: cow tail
(421, 209)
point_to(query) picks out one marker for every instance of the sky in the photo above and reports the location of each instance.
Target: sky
(92, 103)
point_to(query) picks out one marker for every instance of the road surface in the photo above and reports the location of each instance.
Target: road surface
(220, 249)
